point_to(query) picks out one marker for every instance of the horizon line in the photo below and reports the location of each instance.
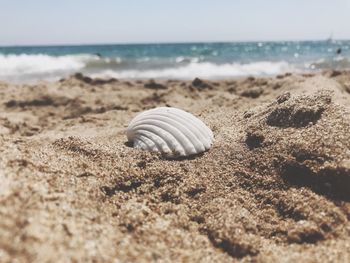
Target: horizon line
(165, 43)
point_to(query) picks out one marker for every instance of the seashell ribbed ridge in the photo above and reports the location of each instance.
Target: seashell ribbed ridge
(170, 131)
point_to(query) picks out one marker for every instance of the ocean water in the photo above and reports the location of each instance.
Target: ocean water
(174, 61)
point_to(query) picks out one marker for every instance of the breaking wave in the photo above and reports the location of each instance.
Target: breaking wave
(25, 67)
(44, 67)
(330, 63)
(20, 68)
(203, 70)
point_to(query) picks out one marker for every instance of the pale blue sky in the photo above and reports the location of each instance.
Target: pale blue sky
(25, 22)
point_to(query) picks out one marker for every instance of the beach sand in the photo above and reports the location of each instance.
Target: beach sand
(275, 186)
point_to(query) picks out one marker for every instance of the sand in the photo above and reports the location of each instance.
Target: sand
(273, 188)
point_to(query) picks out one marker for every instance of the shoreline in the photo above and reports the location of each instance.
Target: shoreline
(274, 185)
(79, 76)
(184, 62)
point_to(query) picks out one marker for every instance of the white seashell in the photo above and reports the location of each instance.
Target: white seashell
(170, 131)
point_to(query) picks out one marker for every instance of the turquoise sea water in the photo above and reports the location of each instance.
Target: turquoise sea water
(177, 61)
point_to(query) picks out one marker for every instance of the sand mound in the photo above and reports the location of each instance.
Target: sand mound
(274, 187)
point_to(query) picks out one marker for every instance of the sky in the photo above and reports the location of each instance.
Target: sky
(50, 22)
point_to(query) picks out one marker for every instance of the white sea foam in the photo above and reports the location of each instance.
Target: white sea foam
(35, 67)
(44, 67)
(204, 70)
